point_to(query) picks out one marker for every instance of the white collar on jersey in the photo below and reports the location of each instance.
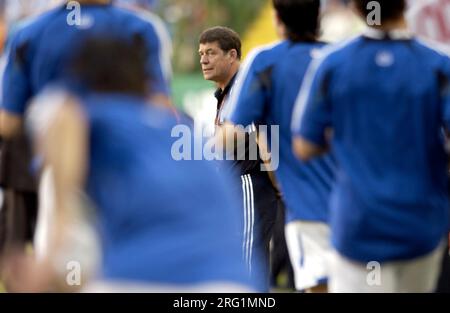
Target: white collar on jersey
(395, 34)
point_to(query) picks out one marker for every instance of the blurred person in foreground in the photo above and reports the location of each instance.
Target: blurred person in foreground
(390, 208)
(265, 94)
(38, 55)
(18, 210)
(152, 211)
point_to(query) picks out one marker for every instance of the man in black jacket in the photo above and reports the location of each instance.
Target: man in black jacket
(220, 55)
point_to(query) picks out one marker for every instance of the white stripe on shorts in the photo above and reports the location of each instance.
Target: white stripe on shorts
(252, 219)
(248, 228)
(249, 219)
(244, 200)
(247, 244)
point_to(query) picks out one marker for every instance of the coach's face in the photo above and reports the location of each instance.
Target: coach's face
(216, 63)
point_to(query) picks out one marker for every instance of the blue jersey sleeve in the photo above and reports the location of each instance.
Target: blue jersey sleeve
(16, 90)
(248, 96)
(312, 111)
(158, 59)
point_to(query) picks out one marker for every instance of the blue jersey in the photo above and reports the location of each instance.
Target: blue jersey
(386, 97)
(162, 220)
(265, 94)
(40, 52)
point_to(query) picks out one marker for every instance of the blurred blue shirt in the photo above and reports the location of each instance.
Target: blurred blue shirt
(386, 97)
(162, 221)
(40, 52)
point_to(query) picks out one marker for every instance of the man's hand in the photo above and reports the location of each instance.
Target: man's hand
(305, 150)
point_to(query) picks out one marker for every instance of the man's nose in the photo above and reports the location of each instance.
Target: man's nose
(204, 60)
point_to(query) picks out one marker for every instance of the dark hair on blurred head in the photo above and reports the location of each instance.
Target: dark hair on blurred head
(390, 9)
(227, 39)
(111, 64)
(301, 18)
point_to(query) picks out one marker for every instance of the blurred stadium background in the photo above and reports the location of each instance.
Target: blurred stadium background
(252, 19)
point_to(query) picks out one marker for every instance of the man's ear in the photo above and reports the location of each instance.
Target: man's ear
(278, 24)
(233, 54)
